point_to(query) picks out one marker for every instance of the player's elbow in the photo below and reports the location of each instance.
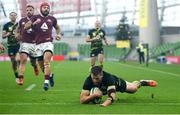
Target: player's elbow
(57, 27)
(3, 37)
(83, 100)
(87, 40)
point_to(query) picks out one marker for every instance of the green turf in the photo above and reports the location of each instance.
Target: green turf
(69, 77)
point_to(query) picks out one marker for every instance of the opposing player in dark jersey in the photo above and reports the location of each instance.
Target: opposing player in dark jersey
(13, 44)
(109, 84)
(43, 25)
(96, 37)
(28, 43)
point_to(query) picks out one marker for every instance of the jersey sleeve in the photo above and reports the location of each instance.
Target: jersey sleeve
(109, 79)
(104, 34)
(90, 33)
(5, 27)
(19, 23)
(87, 85)
(54, 22)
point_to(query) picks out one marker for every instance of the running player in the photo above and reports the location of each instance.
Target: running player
(13, 44)
(43, 25)
(95, 37)
(27, 47)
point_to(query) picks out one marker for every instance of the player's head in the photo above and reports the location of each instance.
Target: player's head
(97, 24)
(96, 74)
(29, 10)
(13, 16)
(45, 8)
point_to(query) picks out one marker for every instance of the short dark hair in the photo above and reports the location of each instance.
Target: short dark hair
(29, 5)
(12, 12)
(96, 70)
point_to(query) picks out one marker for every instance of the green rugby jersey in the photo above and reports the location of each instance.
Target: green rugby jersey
(98, 43)
(10, 27)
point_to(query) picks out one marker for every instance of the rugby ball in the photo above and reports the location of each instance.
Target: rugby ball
(96, 100)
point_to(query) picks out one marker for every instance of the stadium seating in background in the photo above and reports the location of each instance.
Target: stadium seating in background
(61, 48)
(84, 50)
(167, 48)
(177, 52)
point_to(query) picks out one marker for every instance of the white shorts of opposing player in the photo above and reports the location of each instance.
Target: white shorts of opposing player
(28, 48)
(41, 48)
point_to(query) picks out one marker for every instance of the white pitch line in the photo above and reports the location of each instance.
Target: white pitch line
(39, 90)
(29, 88)
(148, 69)
(58, 90)
(27, 104)
(61, 90)
(37, 103)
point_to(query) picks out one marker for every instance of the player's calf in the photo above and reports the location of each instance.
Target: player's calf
(20, 80)
(36, 70)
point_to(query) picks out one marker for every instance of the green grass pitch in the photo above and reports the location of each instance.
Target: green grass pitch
(63, 98)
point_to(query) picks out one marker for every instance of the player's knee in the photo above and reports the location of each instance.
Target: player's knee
(46, 64)
(100, 61)
(132, 89)
(23, 61)
(136, 84)
(12, 58)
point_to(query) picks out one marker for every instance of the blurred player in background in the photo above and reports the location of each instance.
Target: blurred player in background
(28, 43)
(12, 42)
(95, 37)
(109, 84)
(43, 25)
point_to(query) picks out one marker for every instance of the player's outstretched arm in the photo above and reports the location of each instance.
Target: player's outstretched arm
(109, 100)
(111, 96)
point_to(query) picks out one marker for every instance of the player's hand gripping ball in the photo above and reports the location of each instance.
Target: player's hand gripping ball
(97, 100)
